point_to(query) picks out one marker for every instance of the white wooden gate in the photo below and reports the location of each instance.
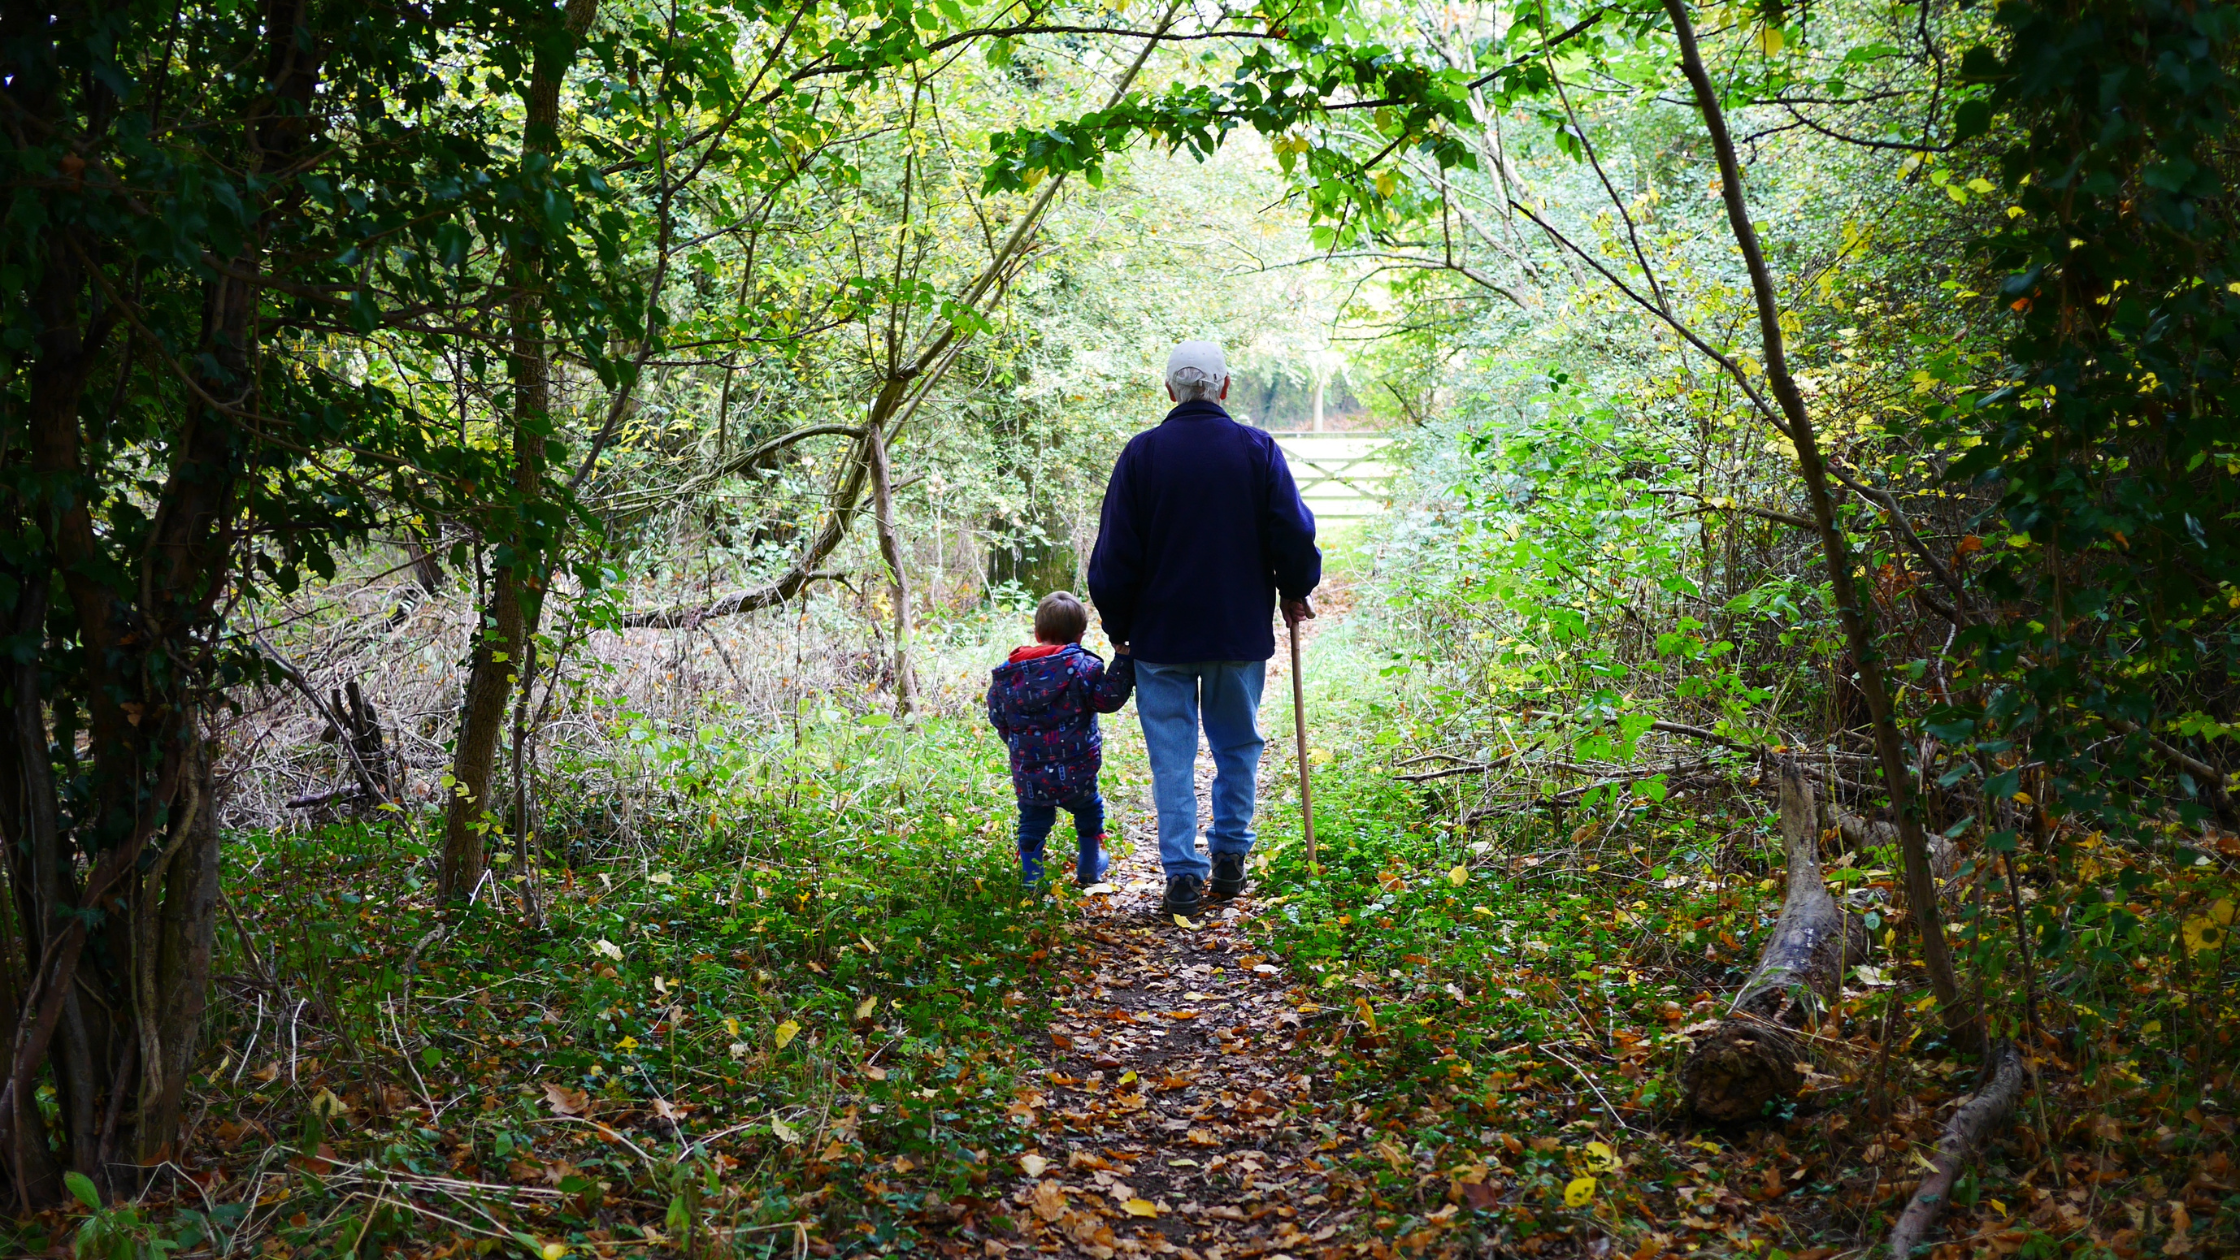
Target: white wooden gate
(1342, 476)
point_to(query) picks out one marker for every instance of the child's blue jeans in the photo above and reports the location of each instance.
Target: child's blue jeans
(1036, 820)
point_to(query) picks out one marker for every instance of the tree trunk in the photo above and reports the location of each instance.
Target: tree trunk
(125, 664)
(1851, 609)
(890, 546)
(1751, 1058)
(490, 674)
(517, 588)
(172, 965)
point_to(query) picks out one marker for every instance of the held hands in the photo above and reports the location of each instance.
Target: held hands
(1297, 610)
(1119, 649)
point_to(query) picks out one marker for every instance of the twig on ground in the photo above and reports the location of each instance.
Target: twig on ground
(1970, 1127)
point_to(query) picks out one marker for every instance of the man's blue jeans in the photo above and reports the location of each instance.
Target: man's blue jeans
(1171, 700)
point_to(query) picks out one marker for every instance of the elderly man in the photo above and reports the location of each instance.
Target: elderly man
(1202, 532)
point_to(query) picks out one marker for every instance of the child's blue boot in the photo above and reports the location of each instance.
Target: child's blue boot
(1091, 864)
(1030, 868)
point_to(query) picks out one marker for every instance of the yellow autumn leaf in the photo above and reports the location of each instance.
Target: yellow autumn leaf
(1579, 1193)
(1322, 756)
(1601, 1158)
(1459, 876)
(1386, 182)
(1141, 1207)
(786, 1032)
(2203, 933)
(627, 1043)
(1033, 1165)
(1368, 1013)
(1770, 41)
(786, 1132)
(553, 1250)
(731, 1026)
(1183, 921)
(866, 1006)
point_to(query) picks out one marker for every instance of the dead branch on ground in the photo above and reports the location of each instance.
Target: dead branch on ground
(1750, 1058)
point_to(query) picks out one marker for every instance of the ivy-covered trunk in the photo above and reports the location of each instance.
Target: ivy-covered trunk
(107, 804)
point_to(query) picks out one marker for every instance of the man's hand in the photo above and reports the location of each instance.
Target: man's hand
(1296, 611)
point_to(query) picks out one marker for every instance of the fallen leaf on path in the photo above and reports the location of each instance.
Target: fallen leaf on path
(1579, 1193)
(1033, 1165)
(786, 1132)
(1141, 1207)
(786, 1032)
(1049, 1200)
(568, 1102)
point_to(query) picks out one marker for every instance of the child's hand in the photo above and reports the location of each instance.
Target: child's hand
(1119, 649)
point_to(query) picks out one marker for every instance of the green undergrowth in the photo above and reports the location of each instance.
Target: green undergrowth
(1505, 1000)
(799, 995)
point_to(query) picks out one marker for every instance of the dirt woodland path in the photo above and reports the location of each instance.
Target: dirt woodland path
(1172, 1116)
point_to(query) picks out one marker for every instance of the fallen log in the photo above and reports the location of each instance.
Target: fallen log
(1965, 1134)
(1858, 833)
(1751, 1057)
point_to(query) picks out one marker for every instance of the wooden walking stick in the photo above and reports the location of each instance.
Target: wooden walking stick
(1306, 775)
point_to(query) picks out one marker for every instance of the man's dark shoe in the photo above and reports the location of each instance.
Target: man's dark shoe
(1228, 875)
(1182, 895)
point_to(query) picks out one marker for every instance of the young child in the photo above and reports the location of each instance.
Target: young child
(1044, 701)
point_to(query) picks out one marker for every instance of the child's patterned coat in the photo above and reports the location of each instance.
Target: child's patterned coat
(1044, 701)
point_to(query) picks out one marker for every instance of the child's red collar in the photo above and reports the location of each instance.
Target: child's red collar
(1036, 651)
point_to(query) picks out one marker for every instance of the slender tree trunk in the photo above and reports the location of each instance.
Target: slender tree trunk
(1851, 609)
(890, 546)
(517, 588)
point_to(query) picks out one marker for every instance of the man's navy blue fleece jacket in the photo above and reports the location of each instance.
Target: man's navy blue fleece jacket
(1202, 528)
